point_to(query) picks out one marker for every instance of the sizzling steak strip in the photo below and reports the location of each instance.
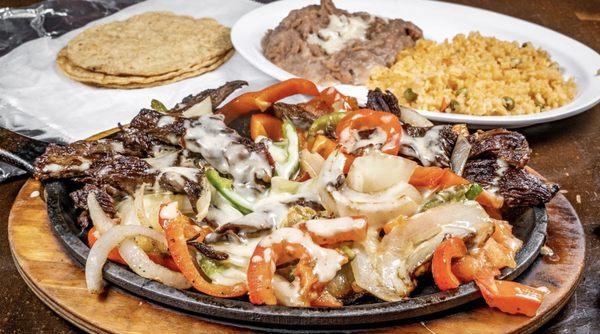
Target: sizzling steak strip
(137, 142)
(74, 159)
(299, 116)
(217, 96)
(517, 186)
(223, 148)
(121, 172)
(509, 146)
(104, 196)
(378, 100)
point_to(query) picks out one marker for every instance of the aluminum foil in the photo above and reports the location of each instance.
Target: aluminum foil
(50, 18)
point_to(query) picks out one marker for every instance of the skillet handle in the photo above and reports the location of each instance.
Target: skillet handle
(20, 151)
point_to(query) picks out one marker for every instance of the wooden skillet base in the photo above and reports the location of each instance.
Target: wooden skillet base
(60, 283)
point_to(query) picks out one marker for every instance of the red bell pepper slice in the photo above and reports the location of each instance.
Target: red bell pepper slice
(366, 119)
(263, 99)
(442, 261)
(178, 231)
(328, 101)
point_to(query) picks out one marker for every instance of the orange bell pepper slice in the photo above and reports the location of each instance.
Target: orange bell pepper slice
(178, 231)
(367, 119)
(263, 99)
(436, 177)
(428, 177)
(267, 126)
(509, 297)
(442, 261)
(325, 146)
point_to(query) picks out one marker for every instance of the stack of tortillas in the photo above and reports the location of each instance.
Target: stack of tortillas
(146, 50)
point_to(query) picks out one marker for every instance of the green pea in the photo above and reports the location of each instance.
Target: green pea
(410, 95)
(454, 105)
(508, 103)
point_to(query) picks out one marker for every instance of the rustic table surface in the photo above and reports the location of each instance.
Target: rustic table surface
(566, 152)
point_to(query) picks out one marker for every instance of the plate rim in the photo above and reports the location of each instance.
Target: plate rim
(239, 37)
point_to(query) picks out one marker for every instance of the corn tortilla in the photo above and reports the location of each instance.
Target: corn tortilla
(149, 44)
(134, 85)
(81, 74)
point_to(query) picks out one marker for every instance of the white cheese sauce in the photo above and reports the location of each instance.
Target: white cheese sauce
(330, 227)
(339, 32)
(224, 150)
(287, 293)
(498, 175)
(375, 139)
(425, 148)
(327, 262)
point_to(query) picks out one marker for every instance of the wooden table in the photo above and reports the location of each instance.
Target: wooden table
(566, 152)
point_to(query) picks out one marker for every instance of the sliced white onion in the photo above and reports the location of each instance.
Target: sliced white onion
(311, 162)
(377, 171)
(163, 160)
(199, 109)
(100, 220)
(460, 154)
(387, 268)
(280, 184)
(142, 265)
(412, 117)
(379, 207)
(135, 257)
(203, 202)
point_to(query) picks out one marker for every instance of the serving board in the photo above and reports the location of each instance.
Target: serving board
(60, 282)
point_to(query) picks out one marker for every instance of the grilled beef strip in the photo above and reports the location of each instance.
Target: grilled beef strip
(121, 172)
(234, 149)
(509, 146)
(516, 185)
(217, 96)
(137, 142)
(181, 184)
(104, 194)
(300, 117)
(170, 131)
(378, 100)
(74, 159)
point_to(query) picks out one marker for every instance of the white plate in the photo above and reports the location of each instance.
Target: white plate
(439, 21)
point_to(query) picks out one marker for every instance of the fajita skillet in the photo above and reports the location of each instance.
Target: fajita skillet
(530, 226)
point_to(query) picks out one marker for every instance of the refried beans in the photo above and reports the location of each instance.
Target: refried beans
(330, 45)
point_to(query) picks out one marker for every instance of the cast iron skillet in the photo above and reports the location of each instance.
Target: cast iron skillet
(20, 151)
